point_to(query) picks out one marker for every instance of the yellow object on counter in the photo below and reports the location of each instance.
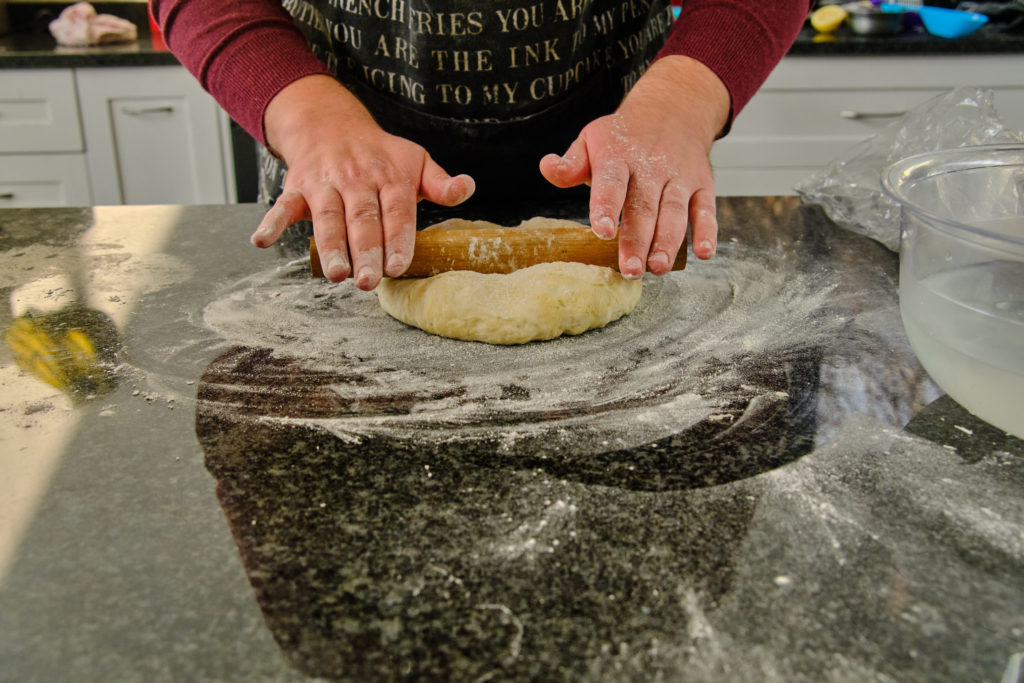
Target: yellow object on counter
(828, 18)
(72, 350)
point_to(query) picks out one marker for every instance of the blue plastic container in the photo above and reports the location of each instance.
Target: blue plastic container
(950, 23)
(942, 22)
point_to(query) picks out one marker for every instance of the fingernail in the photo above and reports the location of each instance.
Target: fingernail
(604, 228)
(634, 268)
(707, 247)
(658, 261)
(261, 233)
(337, 265)
(396, 264)
(460, 190)
(365, 277)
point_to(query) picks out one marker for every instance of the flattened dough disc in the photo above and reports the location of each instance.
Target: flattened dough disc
(540, 302)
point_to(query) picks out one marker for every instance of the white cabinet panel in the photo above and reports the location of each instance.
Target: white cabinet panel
(813, 109)
(153, 136)
(28, 180)
(808, 128)
(38, 111)
(155, 150)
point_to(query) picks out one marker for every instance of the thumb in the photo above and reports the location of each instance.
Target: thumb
(570, 169)
(439, 187)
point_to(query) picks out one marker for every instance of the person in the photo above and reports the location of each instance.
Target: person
(365, 107)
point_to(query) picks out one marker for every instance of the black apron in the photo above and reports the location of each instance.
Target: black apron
(486, 88)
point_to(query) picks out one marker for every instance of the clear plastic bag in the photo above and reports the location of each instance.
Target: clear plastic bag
(849, 188)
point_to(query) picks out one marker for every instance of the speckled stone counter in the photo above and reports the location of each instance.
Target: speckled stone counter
(29, 45)
(38, 50)
(217, 468)
(914, 41)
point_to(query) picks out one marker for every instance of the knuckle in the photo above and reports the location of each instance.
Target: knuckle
(394, 210)
(674, 204)
(331, 212)
(364, 212)
(675, 193)
(611, 175)
(641, 205)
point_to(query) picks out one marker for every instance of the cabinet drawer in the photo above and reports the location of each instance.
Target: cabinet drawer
(39, 111)
(43, 180)
(810, 128)
(153, 137)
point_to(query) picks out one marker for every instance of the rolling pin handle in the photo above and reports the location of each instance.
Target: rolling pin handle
(314, 259)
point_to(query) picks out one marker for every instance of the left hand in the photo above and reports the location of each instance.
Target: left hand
(648, 163)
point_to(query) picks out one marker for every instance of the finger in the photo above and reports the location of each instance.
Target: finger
(639, 216)
(608, 184)
(365, 238)
(289, 208)
(398, 222)
(439, 187)
(670, 228)
(704, 223)
(329, 230)
(570, 169)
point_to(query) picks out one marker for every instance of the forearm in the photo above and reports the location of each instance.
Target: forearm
(308, 104)
(243, 52)
(741, 41)
(681, 92)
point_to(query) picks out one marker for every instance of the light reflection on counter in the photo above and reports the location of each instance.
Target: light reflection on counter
(67, 308)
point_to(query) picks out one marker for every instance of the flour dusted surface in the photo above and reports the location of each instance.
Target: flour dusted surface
(536, 303)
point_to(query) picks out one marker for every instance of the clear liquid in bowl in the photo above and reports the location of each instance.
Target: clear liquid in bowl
(967, 328)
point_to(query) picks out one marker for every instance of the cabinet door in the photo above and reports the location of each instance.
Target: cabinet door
(153, 137)
(43, 180)
(811, 110)
(38, 111)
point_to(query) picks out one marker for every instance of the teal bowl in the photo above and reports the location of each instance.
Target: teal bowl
(950, 23)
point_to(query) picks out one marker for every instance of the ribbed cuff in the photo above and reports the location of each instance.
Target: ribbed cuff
(242, 53)
(246, 76)
(740, 44)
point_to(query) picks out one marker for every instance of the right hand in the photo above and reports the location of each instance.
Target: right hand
(357, 183)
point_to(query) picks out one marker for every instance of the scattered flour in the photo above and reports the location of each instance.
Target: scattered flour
(680, 358)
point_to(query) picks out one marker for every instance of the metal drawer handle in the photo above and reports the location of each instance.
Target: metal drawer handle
(6, 195)
(144, 111)
(853, 114)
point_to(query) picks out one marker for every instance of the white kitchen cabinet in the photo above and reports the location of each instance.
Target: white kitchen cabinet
(28, 180)
(154, 137)
(39, 111)
(42, 152)
(812, 109)
(111, 135)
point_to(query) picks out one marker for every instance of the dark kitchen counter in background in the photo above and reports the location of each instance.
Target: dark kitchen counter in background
(215, 488)
(38, 50)
(845, 42)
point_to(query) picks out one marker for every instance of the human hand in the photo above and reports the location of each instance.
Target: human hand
(358, 184)
(648, 163)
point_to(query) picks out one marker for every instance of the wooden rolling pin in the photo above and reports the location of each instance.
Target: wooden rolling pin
(503, 250)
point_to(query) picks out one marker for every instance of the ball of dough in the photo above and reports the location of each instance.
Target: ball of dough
(540, 302)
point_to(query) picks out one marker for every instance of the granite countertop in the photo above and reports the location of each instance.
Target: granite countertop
(917, 41)
(19, 51)
(38, 50)
(30, 45)
(218, 468)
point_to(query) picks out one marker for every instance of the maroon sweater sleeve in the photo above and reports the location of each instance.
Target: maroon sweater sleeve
(224, 44)
(740, 40)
